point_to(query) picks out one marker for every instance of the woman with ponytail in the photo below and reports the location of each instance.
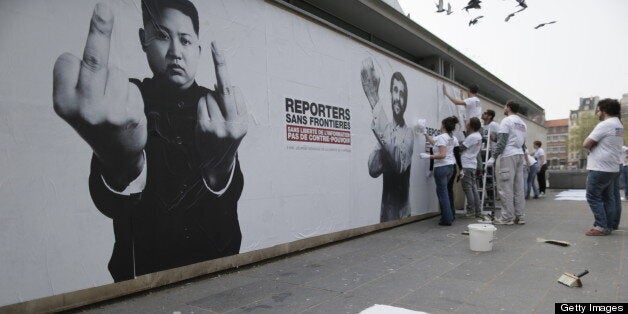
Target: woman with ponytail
(444, 164)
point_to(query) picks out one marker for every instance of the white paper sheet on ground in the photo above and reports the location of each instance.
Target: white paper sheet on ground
(387, 309)
(572, 195)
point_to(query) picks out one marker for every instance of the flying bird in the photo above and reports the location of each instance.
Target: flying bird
(439, 7)
(522, 3)
(543, 24)
(449, 9)
(509, 16)
(473, 4)
(475, 20)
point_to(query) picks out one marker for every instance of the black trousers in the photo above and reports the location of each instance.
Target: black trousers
(540, 176)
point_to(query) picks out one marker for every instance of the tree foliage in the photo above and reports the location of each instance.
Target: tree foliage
(578, 133)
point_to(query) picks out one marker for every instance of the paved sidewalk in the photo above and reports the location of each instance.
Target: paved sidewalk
(420, 266)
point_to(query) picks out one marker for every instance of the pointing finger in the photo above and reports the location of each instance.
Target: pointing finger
(93, 74)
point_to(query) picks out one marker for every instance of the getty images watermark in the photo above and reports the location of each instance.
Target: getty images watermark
(590, 307)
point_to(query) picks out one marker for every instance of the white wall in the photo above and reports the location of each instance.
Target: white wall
(52, 238)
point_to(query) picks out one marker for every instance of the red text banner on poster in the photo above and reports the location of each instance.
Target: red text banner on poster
(297, 133)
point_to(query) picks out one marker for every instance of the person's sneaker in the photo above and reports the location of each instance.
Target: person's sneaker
(536, 197)
(486, 219)
(444, 224)
(520, 221)
(595, 232)
(499, 221)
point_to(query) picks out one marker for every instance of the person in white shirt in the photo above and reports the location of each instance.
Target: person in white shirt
(489, 136)
(532, 169)
(624, 171)
(472, 104)
(444, 164)
(491, 128)
(605, 146)
(470, 149)
(510, 150)
(540, 156)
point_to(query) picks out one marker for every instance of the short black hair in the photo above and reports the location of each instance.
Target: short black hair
(475, 124)
(490, 113)
(514, 106)
(474, 89)
(450, 123)
(152, 8)
(609, 106)
(538, 143)
(397, 76)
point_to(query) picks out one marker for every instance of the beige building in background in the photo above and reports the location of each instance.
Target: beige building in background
(557, 146)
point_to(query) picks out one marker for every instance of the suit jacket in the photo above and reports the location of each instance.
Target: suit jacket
(175, 220)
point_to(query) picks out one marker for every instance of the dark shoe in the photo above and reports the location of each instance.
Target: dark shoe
(536, 197)
(520, 221)
(595, 232)
(444, 224)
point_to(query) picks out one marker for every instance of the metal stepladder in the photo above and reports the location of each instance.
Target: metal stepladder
(488, 187)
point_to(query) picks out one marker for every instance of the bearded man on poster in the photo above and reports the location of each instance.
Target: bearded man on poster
(164, 165)
(393, 155)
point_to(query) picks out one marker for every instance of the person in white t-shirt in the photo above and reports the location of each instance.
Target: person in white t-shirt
(532, 169)
(605, 145)
(470, 149)
(444, 163)
(510, 150)
(472, 104)
(490, 127)
(624, 172)
(489, 136)
(539, 154)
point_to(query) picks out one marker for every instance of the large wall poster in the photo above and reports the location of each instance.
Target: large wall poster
(209, 150)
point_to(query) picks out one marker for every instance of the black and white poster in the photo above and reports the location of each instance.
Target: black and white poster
(139, 136)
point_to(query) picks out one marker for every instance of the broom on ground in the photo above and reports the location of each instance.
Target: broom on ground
(571, 280)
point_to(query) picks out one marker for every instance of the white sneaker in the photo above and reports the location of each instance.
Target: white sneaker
(520, 221)
(499, 221)
(486, 219)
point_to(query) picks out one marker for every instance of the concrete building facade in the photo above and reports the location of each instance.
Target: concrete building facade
(556, 145)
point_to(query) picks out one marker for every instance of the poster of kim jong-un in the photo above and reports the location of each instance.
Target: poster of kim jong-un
(164, 165)
(139, 136)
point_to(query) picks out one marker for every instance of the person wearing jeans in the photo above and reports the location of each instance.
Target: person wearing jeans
(605, 146)
(443, 166)
(601, 199)
(532, 171)
(624, 172)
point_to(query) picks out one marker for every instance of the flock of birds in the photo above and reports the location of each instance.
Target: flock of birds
(475, 4)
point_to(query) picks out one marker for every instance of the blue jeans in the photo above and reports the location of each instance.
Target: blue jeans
(624, 175)
(614, 223)
(601, 197)
(530, 180)
(442, 175)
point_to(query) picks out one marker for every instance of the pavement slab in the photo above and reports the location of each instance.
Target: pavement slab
(419, 266)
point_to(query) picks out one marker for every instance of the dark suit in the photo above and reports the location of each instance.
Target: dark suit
(175, 220)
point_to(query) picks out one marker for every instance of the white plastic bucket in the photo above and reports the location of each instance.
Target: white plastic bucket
(481, 237)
